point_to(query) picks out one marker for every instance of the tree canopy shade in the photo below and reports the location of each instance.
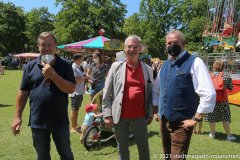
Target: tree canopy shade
(93, 43)
(157, 17)
(38, 21)
(82, 19)
(12, 28)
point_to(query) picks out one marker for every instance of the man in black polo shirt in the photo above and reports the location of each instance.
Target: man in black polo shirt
(47, 81)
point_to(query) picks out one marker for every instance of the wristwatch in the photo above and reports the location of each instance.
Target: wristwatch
(197, 120)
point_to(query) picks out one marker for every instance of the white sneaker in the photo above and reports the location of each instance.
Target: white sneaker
(212, 135)
(231, 138)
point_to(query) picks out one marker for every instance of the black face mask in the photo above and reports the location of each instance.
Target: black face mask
(174, 50)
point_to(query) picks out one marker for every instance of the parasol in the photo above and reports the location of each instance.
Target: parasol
(93, 43)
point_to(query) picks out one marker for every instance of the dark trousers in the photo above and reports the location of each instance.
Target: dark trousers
(61, 137)
(140, 131)
(175, 139)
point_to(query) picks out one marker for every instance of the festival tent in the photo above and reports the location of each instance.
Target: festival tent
(27, 55)
(93, 43)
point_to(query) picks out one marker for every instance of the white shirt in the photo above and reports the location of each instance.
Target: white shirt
(202, 84)
(79, 90)
(84, 65)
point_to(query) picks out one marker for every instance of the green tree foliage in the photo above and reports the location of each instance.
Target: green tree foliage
(12, 28)
(109, 15)
(38, 20)
(134, 25)
(195, 20)
(82, 19)
(157, 17)
(72, 22)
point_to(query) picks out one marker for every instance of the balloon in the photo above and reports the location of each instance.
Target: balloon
(101, 32)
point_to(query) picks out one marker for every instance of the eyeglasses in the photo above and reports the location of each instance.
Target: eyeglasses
(45, 45)
(132, 46)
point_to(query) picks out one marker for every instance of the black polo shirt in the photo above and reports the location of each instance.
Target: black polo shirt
(48, 104)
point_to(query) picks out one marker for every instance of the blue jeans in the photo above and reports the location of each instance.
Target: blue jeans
(61, 137)
(98, 86)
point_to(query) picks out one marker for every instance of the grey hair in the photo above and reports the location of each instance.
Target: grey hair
(133, 37)
(175, 31)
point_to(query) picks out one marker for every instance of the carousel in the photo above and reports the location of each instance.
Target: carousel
(222, 35)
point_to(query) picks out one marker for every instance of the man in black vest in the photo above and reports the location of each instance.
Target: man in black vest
(181, 77)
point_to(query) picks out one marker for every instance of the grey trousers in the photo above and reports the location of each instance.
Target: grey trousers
(140, 131)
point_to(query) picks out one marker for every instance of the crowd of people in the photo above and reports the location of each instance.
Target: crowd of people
(177, 93)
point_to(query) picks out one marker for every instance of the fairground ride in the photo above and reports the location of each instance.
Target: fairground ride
(222, 26)
(222, 34)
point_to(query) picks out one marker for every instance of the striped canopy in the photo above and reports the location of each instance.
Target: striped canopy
(93, 43)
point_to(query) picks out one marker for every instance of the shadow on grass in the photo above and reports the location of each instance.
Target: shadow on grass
(5, 105)
(101, 145)
(153, 133)
(203, 133)
(222, 137)
(113, 143)
(235, 105)
(150, 134)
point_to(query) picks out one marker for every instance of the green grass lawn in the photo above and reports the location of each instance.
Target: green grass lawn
(20, 147)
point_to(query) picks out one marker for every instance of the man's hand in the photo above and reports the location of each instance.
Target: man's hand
(188, 123)
(16, 125)
(48, 71)
(108, 121)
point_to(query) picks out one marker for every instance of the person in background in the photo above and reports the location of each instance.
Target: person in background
(86, 68)
(77, 95)
(155, 67)
(181, 77)
(238, 43)
(84, 65)
(1, 67)
(97, 72)
(222, 109)
(125, 98)
(47, 80)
